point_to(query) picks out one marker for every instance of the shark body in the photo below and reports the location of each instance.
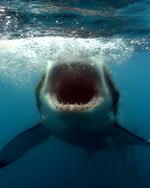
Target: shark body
(78, 103)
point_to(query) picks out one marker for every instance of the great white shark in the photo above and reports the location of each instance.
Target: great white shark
(78, 103)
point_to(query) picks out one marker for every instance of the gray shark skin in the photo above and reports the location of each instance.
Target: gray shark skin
(78, 103)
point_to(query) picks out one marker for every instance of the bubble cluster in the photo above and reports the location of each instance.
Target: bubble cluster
(23, 60)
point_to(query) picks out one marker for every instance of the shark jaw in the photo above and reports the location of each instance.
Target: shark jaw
(75, 87)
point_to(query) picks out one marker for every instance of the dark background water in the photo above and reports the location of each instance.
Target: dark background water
(32, 32)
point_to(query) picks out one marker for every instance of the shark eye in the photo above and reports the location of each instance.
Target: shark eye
(74, 84)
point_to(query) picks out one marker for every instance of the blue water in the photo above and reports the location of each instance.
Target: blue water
(34, 32)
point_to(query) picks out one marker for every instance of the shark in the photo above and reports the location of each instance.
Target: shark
(78, 104)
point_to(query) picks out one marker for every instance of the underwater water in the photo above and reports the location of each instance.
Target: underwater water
(35, 32)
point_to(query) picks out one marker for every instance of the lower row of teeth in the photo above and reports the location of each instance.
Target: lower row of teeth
(74, 107)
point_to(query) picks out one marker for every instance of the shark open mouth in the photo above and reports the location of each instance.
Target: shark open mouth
(75, 87)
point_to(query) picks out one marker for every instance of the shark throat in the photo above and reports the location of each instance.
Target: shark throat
(74, 87)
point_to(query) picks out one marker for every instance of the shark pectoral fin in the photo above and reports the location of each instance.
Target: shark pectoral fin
(122, 136)
(23, 143)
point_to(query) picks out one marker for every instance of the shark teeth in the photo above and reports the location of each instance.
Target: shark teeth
(60, 106)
